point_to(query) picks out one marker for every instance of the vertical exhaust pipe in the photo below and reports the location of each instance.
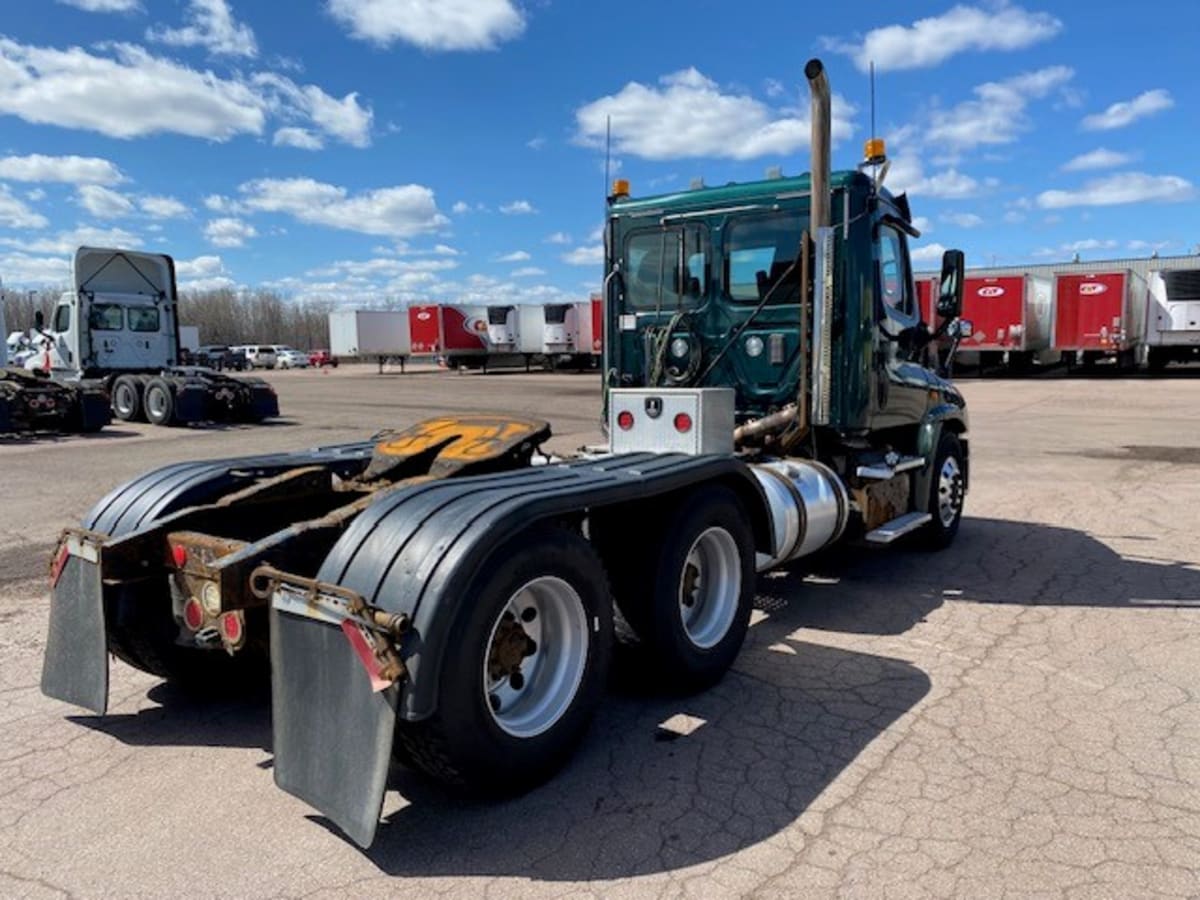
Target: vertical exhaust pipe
(818, 86)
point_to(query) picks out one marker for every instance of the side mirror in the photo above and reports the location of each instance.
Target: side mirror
(950, 293)
(39, 320)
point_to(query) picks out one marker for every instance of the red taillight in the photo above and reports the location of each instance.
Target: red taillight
(179, 555)
(683, 423)
(60, 560)
(193, 614)
(624, 420)
(231, 627)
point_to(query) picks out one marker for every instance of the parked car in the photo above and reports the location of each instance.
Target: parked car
(219, 357)
(287, 358)
(259, 356)
(320, 358)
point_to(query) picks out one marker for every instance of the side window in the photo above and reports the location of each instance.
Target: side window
(143, 318)
(652, 268)
(62, 318)
(760, 251)
(106, 317)
(894, 283)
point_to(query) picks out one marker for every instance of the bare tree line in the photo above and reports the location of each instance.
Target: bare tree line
(224, 316)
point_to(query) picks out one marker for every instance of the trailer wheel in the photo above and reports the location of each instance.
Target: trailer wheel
(127, 398)
(947, 491)
(159, 402)
(526, 663)
(689, 598)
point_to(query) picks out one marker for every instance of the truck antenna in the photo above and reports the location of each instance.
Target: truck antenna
(607, 151)
(874, 153)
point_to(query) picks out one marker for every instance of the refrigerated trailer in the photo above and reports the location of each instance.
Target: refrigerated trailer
(425, 330)
(464, 336)
(1172, 328)
(1098, 315)
(516, 334)
(370, 335)
(1010, 318)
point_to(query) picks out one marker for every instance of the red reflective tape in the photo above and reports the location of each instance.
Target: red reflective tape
(364, 649)
(60, 561)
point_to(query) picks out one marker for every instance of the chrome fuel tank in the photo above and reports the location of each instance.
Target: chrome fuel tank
(808, 504)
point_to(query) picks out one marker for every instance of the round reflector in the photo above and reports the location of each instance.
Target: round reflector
(683, 423)
(624, 420)
(193, 614)
(231, 627)
(179, 555)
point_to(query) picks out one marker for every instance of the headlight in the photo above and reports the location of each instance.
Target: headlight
(679, 348)
(754, 345)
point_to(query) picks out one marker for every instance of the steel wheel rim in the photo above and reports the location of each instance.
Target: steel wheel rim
(529, 697)
(156, 402)
(124, 399)
(949, 492)
(710, 587)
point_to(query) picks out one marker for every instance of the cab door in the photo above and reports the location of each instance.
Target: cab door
(900, 382)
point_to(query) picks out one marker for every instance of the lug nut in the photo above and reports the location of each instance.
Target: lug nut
(528, 614)
(517, 680)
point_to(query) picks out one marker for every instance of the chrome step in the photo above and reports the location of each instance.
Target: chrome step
(883, 472)
(897, 528)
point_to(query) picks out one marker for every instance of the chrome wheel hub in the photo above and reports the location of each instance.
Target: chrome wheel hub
(950, 492)
(710, 586)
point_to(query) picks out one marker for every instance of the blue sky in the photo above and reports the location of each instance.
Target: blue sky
(378, 151)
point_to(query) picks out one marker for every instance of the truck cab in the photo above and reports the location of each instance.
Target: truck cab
(707, 289)
(121, 317)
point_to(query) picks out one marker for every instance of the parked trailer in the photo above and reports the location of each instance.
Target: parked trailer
(120, 326)
(465, 336)
(516, 334)
(1097, 315)
(1172, 327)
(370, 335)
(425, 330)
(585, 326)
(439, 595)
(1010, 318)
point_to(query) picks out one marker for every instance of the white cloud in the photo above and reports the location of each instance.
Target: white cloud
(922, 224)
(297, 137)
(1074, 247)
(1012, 217)
(1099, 158)
(585, 256)
(65, 243)
(928, 42)
(773, 88)
(908, 175)
(1124, 187)
(16, 213)
(203, 273)
(159, 207)
(392, 211)
(130, 93)
(1129, 111)
(963, 220)
(998, 115)
(927, 253)
(431, 24)
(65, 169)
(35, 196)
(518, 208)
(559, 237)
(210, 25)
(229, 232)
(104, 203)
(104, 6)
(687, 115)
(527, 272)
(460, 207)
(34, 271)
(515, 256)
(536, 143)
(1141, 246)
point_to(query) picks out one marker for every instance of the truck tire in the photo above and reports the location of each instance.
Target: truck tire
(127, 398)
(946, 493)
(508, 716)
(689, 589)
(159, 402)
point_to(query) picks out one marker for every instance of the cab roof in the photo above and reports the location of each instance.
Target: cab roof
(736, 193)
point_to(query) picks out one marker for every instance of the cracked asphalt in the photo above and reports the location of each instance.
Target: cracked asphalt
(1016, 716)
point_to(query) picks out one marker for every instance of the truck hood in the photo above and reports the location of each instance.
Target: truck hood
(105, 271)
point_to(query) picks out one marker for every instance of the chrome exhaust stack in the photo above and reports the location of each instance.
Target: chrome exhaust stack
(818, 87)
(823, 261)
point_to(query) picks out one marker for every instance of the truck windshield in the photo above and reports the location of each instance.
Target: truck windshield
(143, 318)
(652, 266)
(759, 251)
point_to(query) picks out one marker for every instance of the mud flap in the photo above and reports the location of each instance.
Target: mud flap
(333, 733)
(75, 667)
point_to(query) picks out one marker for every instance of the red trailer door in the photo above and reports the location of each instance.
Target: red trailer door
(597, 325)
(994, 307)
(925, 299)
(425, 327)
(1089, 311)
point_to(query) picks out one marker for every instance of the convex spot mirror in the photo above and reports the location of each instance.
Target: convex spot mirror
(950, 293)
